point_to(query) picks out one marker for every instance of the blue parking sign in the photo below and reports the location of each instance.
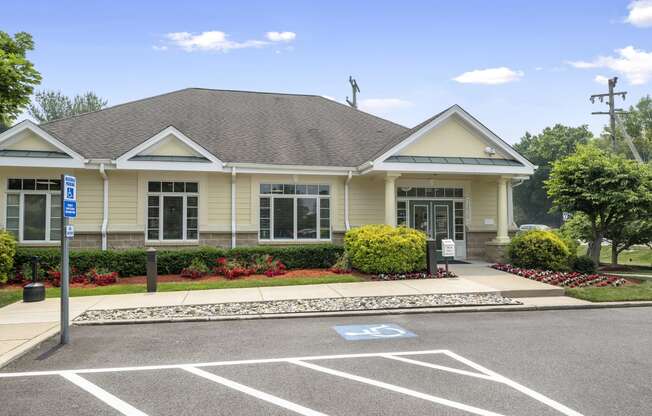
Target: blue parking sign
(69, 196)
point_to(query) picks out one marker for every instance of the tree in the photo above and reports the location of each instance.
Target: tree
(632, 231)
(609, 189)
(531, 202)
(638, 123)
(17, 76)
(52, 105)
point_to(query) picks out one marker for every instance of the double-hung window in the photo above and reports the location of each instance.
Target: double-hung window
(172, 210)
(33, 212)
(294, 212)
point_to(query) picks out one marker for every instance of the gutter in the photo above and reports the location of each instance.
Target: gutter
(105, 206)
(347, 224)
(233, 206)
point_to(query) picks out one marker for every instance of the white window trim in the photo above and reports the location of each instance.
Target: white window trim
(21, 214)
(295, 197)
(161, 195)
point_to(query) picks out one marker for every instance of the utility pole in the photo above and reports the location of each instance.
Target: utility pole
(613, 111)
(356, 90)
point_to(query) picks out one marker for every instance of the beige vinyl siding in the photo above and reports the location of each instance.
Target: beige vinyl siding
(170, 146)
(90, 193)
(243, 203)
(484, 204)
(366, 201)
(217, 193)
(123, 201)
(451, 138)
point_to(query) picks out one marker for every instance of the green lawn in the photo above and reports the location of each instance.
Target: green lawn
(613, 294)
(637, 256)
(12, 295)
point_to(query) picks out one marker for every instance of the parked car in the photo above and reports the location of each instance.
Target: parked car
(530, 227)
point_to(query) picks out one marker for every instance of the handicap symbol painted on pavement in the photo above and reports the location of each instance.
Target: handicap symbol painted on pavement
(373, 331)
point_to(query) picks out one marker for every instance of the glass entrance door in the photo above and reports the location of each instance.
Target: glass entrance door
(435, 218)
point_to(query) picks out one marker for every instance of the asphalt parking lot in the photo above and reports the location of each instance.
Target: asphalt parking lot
(589, 362)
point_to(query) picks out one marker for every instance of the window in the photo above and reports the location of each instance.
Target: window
(172, 210)
(459, 220)
(294, 212)
(430, 192)
(33, 211)
(401, 213)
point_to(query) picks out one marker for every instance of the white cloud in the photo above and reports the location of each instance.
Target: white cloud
(160, 48)
(215, 40)
(634, 64)
(281, 36)
(380, 105)
(640, 13)
(490, 76)
(601, 79)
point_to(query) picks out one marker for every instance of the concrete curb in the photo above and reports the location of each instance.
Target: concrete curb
(27, 346)
(416, 310)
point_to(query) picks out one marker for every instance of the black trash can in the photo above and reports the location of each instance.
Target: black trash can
(431, 256)
(35, 291)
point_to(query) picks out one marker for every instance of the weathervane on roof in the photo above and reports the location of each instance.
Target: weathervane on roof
(356, 90)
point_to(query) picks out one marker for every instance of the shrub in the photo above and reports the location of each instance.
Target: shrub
(195, 270)
(342, 265)
(539, 250)
(133, 262)
(584, 264)
(385, 249)
(7, 253)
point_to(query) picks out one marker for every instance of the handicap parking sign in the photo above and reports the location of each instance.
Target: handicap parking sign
(373, 331)
(69, 196)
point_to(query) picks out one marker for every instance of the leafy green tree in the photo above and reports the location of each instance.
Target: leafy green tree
(52, 105)
(531, 202)
(638, 123)
(608, 189)
(632, 231)
(17, 76)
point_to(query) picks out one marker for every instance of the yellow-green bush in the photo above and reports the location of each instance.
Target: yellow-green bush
(7, 253)
(539, 250)
(386, 249)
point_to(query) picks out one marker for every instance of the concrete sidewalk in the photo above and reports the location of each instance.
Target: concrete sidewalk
(23, 325)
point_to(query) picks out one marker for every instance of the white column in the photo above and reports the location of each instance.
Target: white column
(502, 235)
(390, 199)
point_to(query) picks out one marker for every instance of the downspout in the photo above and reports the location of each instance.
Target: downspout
(347, 224)
(233, 217)
(105, 206)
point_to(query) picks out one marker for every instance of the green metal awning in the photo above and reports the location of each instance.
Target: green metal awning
(161, 158)
(454, 160)
(34, 153)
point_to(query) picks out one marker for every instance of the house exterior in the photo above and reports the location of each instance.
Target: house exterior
(232, 168)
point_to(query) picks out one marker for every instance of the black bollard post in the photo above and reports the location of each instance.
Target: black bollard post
(152, 272)
(431, 256)
(35, 291)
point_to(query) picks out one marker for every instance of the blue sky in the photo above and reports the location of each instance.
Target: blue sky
(411, 59)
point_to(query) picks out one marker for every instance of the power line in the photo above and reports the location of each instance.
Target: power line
(613, 111)
(356, 90)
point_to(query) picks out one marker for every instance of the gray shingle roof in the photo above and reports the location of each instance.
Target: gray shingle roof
(235, 126)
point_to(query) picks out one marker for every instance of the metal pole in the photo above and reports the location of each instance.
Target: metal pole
(612, 113)
(65, 333)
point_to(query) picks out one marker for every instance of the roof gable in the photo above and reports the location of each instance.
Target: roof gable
(27, 144)
(434, 133)
(169, 149)
(455, 138)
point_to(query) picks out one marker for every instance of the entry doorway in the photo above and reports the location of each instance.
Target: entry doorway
(435, 218)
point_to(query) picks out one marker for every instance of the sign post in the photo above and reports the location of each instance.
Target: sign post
(69, 210)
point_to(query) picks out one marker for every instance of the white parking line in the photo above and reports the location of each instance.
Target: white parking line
(482, 373)
(398, 389)
(440, 367)
(119, 405)
(255, 393)
(212, 364)
(529, 392)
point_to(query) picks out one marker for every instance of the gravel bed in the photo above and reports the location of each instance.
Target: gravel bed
(294, 306)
